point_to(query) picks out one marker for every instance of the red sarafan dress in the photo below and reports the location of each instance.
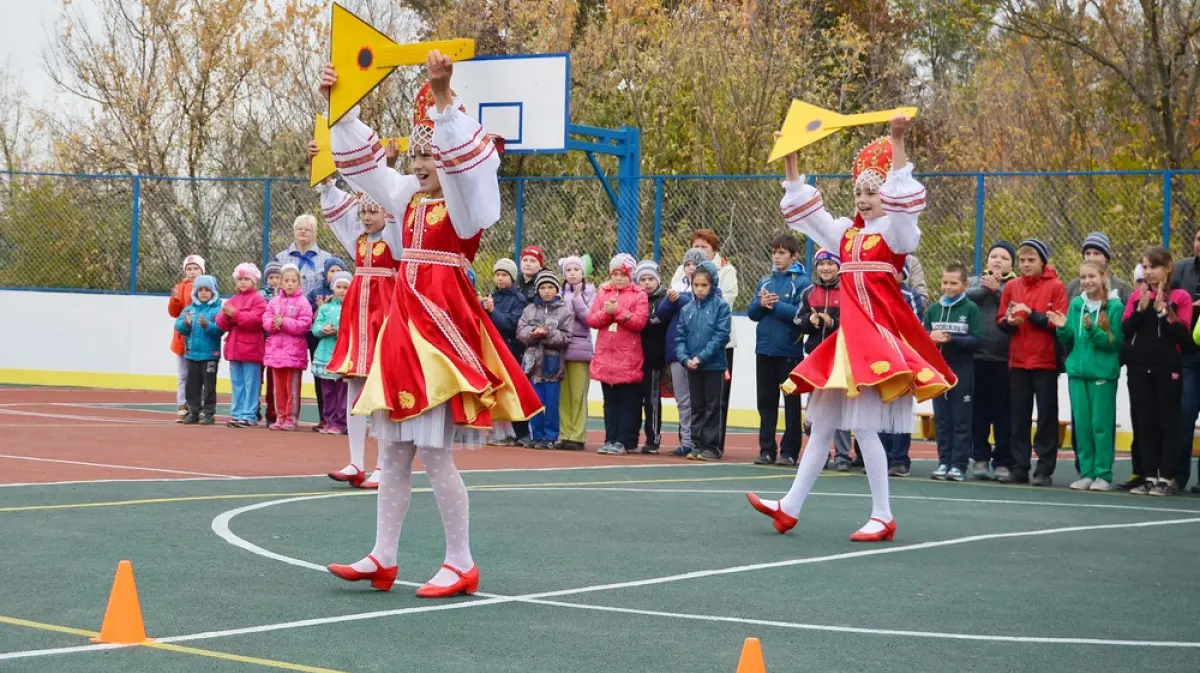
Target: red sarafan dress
(376, 258)
(881, 358)
(441, 374)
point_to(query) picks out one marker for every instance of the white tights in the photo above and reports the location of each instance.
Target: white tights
(395, 493)
(813, 461)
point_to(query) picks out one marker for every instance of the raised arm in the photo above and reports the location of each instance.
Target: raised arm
(903, 197)
(360, 158)
(804, 210)
(340, 211)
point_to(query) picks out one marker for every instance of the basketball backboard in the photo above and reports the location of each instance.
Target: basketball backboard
(526, 99)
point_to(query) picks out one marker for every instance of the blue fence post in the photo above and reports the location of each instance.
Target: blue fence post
(658, 199)
(266, 225)
(135, 233)
(979, 193)
(520, 219)
(628, 200)
(1167, 206)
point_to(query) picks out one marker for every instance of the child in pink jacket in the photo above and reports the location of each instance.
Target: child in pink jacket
(619, 312)
(287, 320)
(241, 318)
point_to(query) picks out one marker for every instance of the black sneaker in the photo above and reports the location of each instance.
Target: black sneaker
(190, 420)
(525, 442)
(1133, 482)
(707, 455)
(787, 461)
(899, 471)
(1014, 477)
(764, 459)
(841, 465)
(566, 445)
(650, 449)
(1042, 480)
(1161, 488)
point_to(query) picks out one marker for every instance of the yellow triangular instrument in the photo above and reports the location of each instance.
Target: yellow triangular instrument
(323, 165)
(364, 57)
(806, 124)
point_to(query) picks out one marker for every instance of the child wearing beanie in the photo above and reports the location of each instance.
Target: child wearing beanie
(504, 306)
(654, 346)
(202, 349)
(578, 295)
(325, 328)
(545, 330)
(677, 296)
(271, 274)
(619, 314)
(181, 297)
(241, 319)
(287, 320)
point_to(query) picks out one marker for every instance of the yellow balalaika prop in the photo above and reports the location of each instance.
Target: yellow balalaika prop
(364, 57)
(806, 124)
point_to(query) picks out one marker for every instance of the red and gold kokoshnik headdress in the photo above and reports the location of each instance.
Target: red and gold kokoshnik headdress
(873, 162)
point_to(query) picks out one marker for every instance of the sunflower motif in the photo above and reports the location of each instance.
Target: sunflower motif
(435, 215)
(925, 375)
(881, 367)
(379, 248)
(362, 246)
(871, 241)
(406, 399)
(411, 219)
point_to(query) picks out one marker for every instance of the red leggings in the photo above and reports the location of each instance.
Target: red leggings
(287, 394)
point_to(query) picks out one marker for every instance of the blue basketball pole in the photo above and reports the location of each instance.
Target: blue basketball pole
(625, 144)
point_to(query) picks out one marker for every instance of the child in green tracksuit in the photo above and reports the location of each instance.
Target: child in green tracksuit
(956, 327)
(1092, 330)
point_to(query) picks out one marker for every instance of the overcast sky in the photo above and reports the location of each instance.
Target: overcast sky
(24, 33)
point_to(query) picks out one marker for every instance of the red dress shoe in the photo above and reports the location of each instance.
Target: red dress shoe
(356, 480)
(886, 535)
(783, 522)
(468, 583)
(368, 484)
(381, 578)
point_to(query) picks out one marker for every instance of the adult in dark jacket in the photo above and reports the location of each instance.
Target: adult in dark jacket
(992, 409)
(654, 355)
(504, 307)
(1187, 277)
(778, 348)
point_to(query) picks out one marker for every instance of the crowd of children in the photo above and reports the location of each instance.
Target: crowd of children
(1006, 333)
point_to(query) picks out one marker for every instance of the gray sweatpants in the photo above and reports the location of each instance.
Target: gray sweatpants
(683, 400)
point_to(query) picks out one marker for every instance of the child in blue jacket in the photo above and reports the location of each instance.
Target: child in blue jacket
(704, 327)
(202, 350)
(778, 348)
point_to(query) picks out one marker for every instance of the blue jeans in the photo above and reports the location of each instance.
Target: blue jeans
(896, 445)
(246, 378)
(1190, 407)
(544, 426)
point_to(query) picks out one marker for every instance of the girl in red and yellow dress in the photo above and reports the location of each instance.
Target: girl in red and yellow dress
(440, 373)
(373, 238)
(867, 376)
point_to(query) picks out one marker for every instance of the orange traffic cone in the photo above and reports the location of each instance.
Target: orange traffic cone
(123, 618)
(751, 660)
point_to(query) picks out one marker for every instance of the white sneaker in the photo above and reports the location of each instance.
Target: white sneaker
(1100, 485)
(940, 473)
(1081, 484)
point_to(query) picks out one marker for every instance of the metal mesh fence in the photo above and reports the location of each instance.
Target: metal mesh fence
(129, 234)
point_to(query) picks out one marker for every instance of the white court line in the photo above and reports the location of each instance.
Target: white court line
(478, 471)
(26, 654)
(117, 467)
(220, 526)
(73, 417)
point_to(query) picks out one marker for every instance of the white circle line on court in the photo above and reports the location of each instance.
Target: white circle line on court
(220, 526)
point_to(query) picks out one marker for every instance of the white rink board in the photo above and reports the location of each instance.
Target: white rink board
(525, 99)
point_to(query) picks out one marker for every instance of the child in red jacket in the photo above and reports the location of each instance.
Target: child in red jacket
(241, 319)
(1033, 359)
(619, 313)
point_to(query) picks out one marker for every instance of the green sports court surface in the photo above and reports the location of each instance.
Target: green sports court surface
(606, 566)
